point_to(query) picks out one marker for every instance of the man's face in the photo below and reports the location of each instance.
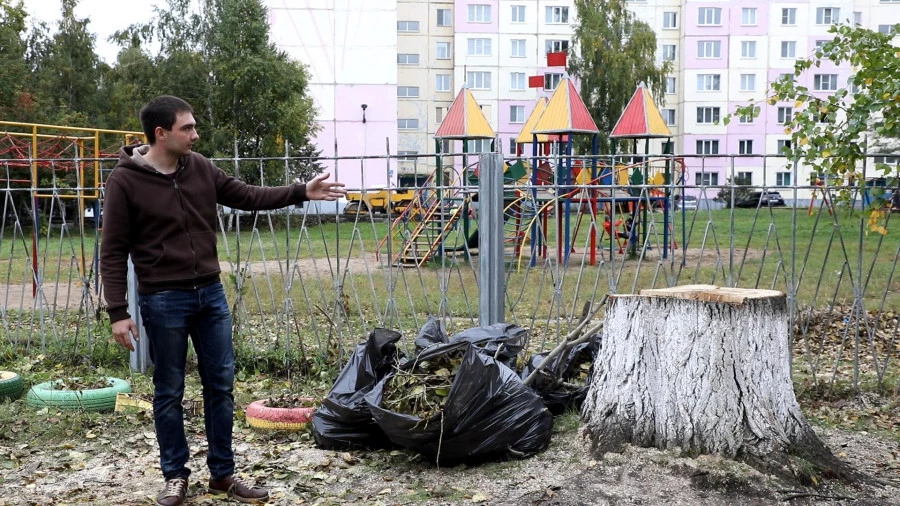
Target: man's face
(181, 138)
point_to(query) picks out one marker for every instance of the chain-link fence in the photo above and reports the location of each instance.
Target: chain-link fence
(312, 281)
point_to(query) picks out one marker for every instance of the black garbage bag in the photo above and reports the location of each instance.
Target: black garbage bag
(432, 333)
(503, 341)
(344, 420)
(563, 384)
(489, 413)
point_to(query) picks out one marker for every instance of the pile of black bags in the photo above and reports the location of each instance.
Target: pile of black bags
(488, 413)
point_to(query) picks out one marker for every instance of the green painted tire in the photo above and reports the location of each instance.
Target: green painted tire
(46, 395)
(10, 385)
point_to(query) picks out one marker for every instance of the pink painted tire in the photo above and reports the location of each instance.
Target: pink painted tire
(260, 416)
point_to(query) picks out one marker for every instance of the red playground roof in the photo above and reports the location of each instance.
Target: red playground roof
(641, 118)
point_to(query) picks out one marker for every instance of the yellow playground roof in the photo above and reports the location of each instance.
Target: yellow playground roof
(526, 135)
(566, 113)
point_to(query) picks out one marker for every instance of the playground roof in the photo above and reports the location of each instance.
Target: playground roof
(464, 120)
(566, 113)
(526, 135)
(641, 118)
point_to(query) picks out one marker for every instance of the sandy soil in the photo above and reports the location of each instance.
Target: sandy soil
(105, 472)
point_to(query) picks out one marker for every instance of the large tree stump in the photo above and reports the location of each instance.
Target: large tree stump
(704, 369)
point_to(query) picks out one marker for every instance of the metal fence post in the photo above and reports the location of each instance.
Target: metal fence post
(140, 357)
(491, 286)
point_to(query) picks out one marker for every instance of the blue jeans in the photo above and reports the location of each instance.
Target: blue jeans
(169, 318)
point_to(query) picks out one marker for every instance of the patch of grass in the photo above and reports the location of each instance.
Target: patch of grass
(567, 422)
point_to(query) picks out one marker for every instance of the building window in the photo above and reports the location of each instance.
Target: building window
(827, 15)
(707, 147)
(478, 80)
(709, 49)
(746, 119)
(708, 82)
(789, 16)
(443, 51)
(407, 92)
(517, 113)
(820, 44)
(670, 86)
(444, 18)
(668, 52)
(784, 146)
(745, 147)
(479, 47)
(479, 13)
(786, 77)
(407, 59)
(706, 178)
(748, 82)
(707, 115)
(517, 81)
(783, 178)
(407, 156)
(556, 46)
(442, 82)
(743, 178)
(889, 160)
(748, 16)
(557, 15)
(518, 48)
(408, 124)
(552, 80)
(518, 13)
(480, 145)
(513, 149)
(785, 114)
(668, 116)
(407, 26)
(825, 82)
(748, 49)
(670, 20)
(709, 16)
(788, 49)
(439, 113)
(887, 29)
(857, 18)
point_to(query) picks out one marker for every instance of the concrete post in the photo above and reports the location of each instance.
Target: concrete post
(140, 357)
(492, 281)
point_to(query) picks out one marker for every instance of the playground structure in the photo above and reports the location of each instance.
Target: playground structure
(427, 229)
(31, 152)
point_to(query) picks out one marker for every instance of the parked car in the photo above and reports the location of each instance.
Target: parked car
(686, 202)
(757, 199)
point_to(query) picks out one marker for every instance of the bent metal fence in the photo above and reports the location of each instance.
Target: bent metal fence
(312, 281)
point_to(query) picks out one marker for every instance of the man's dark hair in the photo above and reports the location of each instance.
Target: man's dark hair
(161, 112)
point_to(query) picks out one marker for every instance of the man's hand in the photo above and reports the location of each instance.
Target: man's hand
(123, 330)
(319, 189)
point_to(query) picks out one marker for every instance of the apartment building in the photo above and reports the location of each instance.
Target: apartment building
(490, 46)
(409, 58)
(350, 49)
(725, 55)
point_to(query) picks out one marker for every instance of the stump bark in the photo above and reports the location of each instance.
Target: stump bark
(703, 369)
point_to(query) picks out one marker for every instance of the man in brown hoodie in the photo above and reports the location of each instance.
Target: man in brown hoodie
(160, 207)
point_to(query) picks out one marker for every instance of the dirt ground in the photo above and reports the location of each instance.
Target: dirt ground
(102, 469)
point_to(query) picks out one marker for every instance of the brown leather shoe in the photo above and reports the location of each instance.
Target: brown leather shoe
(173, 494)
(238, 490)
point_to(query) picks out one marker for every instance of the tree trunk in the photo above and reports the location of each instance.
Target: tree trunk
(704, 369)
